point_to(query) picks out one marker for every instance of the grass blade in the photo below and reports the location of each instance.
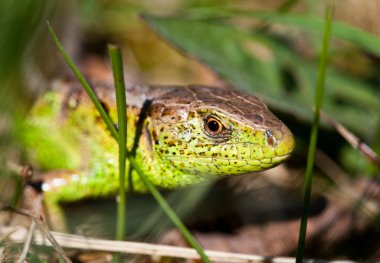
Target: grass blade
(170, 213)
(314, 132)
(117, 69)
(85, 85)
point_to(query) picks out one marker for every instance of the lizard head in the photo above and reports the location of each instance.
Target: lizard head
(216, 132)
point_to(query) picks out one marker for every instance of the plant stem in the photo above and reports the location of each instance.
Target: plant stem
(170, 213)
(85, 85)
(314, 132)
(117, 69)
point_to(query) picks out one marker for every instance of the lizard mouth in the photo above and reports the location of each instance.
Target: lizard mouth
(280, 159)
(286, 146)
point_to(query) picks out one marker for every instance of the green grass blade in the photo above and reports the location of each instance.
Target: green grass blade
(85, 85)
(170, 213)
(165, 206)
(314, 132)
(117, 69)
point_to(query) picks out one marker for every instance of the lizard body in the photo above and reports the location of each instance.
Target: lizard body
(187, 135)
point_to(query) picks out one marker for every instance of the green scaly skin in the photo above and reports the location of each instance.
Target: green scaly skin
(176, 146)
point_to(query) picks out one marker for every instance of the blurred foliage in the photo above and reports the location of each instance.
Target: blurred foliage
(23, 52)
(17, 24)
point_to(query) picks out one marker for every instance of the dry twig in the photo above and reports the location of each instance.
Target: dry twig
(80, 242)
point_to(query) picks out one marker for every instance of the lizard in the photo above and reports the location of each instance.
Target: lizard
(180, 135)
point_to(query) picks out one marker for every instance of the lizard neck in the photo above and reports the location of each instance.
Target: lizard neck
(139, 137)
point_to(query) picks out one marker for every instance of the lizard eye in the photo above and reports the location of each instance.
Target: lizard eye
(213, 126)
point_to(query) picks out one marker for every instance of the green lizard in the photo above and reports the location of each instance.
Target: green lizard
(188, 135)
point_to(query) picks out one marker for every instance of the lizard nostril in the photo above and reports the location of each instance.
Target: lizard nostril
(270, 138)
